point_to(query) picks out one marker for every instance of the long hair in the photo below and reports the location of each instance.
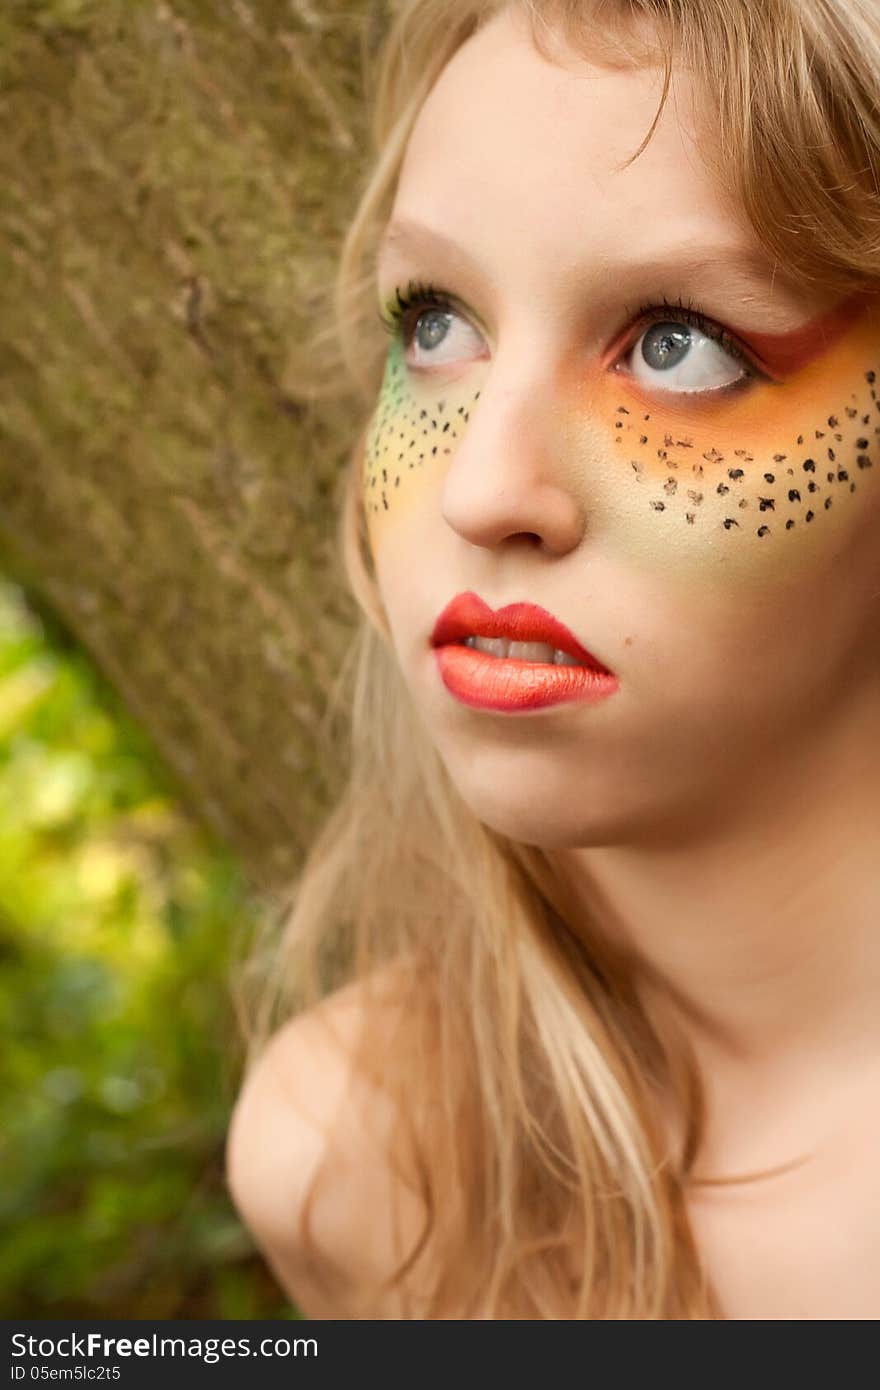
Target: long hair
(528, 1069)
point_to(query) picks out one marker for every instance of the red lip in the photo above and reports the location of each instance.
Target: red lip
(467, 615)
(509, 684)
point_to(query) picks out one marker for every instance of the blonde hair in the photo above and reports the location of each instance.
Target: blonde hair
(533, 1077)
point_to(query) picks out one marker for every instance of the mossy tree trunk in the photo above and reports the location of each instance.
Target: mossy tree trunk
(176, 175)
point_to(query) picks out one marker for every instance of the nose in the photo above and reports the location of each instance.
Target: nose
(508, 477)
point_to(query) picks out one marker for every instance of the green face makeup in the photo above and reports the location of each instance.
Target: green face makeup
(413, 433)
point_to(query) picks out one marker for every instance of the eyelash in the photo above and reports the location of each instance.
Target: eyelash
(694, 318)
(401, 315)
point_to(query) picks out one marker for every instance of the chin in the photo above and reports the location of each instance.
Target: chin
(520, 825)
(541, 801)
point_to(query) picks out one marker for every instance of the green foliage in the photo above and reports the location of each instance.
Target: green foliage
(120, 922)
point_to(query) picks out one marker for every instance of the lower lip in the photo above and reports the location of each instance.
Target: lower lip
(503, 683)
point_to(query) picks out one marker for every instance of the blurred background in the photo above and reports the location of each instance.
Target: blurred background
(176, 177)
(119, 918)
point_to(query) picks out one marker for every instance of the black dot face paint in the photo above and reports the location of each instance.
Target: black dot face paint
(414, 429)
(746, 486)
(757, 474)
(730, 484)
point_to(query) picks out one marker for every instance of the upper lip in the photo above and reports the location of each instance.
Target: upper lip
(467, 615)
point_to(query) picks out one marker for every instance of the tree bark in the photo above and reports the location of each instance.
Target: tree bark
(176, 176)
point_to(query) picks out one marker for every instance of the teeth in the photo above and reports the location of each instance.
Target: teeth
(495, 646)
(522, 651)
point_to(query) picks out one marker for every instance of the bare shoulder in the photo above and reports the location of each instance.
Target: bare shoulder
(308, 1155)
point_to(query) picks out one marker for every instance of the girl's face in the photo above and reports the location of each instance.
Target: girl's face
(602, 399)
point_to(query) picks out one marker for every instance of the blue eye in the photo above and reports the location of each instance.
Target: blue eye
(679, 350)
(431, 327)
(665, 345)
(428, 324)
(686, 357)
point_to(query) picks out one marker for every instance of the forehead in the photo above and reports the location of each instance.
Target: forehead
(511, 151)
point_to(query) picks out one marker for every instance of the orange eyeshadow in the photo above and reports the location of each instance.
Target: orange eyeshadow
(781, 354)
(834, 353)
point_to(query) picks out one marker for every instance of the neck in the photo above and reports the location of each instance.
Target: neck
(766, 927)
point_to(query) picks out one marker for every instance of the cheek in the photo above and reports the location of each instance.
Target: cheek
(411, 437)
(741, 488)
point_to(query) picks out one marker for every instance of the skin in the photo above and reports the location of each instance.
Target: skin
(770, 462)
(719, 812)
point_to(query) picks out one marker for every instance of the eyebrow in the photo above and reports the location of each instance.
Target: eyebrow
(415, 235)
(407, 235)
